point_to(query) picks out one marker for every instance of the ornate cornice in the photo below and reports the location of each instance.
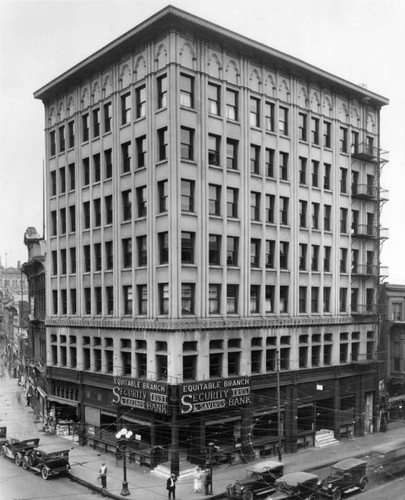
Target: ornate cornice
(194, 324)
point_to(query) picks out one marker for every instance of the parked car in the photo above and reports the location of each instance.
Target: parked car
(346, 476)
(296, 486)
(47, 461)
(16, 449)
(259, 481)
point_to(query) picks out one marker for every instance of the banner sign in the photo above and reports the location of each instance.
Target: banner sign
(214, 395)
(140, 393)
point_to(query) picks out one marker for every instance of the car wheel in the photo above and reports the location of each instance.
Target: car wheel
(17, 460)
(45, 473)
(337, 494)
(25, 464)
(248, 495)
(363, 485)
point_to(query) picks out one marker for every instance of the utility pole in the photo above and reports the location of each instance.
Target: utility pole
(278, 405)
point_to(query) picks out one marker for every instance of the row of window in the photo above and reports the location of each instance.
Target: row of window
(264, 300)
(93, 259)
(262, 113)
(314, 351)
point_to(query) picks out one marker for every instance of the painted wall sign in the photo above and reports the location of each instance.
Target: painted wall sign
(214, 395)
(140, 393)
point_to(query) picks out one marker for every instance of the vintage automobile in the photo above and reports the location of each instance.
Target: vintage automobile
(346, 476)
(296, 486)
(259, 481)
(16, 449)
(47, 460)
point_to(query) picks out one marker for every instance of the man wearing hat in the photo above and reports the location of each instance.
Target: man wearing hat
(171, 486)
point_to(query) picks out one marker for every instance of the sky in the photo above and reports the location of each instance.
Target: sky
(361, 41)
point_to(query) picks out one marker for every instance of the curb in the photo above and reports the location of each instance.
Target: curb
(91, 486)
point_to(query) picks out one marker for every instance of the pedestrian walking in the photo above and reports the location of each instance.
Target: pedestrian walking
(171, 486)
(103, 475)
(197, 480)
(208, 481)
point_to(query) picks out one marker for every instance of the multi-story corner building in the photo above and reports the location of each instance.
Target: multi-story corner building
(35, 353)
(213, 238)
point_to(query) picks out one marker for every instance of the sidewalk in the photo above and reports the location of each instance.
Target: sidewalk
(85, 463)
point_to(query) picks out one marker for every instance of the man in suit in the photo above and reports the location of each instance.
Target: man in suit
(171, 486)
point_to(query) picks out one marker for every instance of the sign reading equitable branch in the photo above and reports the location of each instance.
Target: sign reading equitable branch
(140, 393)
(214, 394)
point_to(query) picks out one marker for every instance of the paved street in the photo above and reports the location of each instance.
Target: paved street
(22, 485)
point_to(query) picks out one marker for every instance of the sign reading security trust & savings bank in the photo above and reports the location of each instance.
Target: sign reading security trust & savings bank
(214, 394)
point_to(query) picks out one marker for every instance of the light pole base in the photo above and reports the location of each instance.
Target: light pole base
(125, 490)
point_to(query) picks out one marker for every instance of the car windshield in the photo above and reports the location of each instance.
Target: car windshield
(284, 487)
(338, 472)
(251, 474)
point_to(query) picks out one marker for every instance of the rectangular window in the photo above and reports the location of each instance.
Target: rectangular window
(109, 256)
(231, 154)
(269, 116)
(73, 301)
(343, 220)
(109, 290)
(85, 127)
(53, 183)
(302, 127)
(269, 298)
(283, 121)
(343, 140)
(107, 117)
(315, 173)
(97, 257)
(315, 130)
(315, 215)
(54, 262)
(97, 167)
(302, 299)
(108, 209)
(72, 216)
(214, 201)
(343, 180)
(72, 255)
(187, 298)
(326, 175)
(163, 247)
(62, 178)
(87, 258)
(87, 302)
(326, 258)
(71, 134)
(187, 195)
(254, 206)
(343, 260)
(163, 139)
(163, 196)
(142, 299)
(97, 212)
(187, 247)
(186, 143)
(327, 211)
(54, 227)
(214, 249)
(254, 298)
(303, 213)
(142, 201)
(303, 256)
(214, 142)
(52, 143)
(140, 96)
(125, 109)
(96, 122)
(314, 299)
(232, 203)
(283, 166)
(284, 254)
(342, 299)
(232, 299)
(108, 163)
(326, 299)
(126, 157)
(269, 255)
(283, 299)
(214, 299)
(270, 202)
(62, 142)
(284, 210)
(232, 243)
(214, 100)
(86, 214)
(162, 91)
(127, 252)
(302, 170)
(186, 91)
(62, 216)
(126, 205)
(141, 151)
(315, 258)
(254, 159)
(72, 177)
(254, 252)
(254, 112)
(231, 104)
(142, 244)
(86, 171)
(269, 162)
(327, 127)
(164, 298)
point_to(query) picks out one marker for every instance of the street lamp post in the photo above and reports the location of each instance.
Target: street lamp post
(123, 436)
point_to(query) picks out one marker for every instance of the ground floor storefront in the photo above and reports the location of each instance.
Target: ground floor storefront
(222, 420)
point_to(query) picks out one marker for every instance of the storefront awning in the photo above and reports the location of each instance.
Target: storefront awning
(136, 420)
(223, 420)
(63, 401)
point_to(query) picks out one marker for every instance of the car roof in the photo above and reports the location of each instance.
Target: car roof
(51, 448)
(266, 464)
(296, 478)
(349, 463)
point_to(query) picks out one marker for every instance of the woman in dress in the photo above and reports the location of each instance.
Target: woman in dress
(197, 480)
